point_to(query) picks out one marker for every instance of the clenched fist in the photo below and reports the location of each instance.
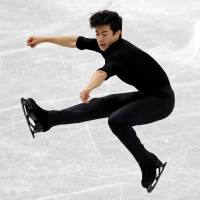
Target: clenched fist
(84, 95)
(33, 41)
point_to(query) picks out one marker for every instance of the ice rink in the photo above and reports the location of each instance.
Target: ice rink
(85, 161)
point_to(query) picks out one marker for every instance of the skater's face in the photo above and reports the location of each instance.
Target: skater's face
(105, 36)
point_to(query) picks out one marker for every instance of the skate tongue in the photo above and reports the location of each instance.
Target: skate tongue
(158, 164)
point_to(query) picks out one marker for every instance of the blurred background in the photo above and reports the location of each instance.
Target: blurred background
(86, 161)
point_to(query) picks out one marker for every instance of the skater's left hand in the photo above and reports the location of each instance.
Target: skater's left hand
(84, 95)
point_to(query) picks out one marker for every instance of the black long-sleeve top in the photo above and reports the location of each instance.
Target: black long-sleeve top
(129, 63)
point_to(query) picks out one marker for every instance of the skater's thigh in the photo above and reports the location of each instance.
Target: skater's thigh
(142, 111)
(115, 101)
(100, 107)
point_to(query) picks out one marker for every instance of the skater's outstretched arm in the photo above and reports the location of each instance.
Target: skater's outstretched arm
(67, 41)
(96, 80)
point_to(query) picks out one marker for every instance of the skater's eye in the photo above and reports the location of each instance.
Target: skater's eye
(104, 35)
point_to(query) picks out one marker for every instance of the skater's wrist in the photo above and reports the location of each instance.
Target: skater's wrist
(88, 89)
(46, 39)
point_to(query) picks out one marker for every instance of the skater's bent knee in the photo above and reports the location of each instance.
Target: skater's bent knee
(114, 120)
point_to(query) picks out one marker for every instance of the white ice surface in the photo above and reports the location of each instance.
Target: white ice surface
(86, 161)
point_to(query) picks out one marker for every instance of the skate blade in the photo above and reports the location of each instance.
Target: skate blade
(153, 185)
(34, 128)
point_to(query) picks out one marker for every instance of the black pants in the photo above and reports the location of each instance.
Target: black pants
(124, 110)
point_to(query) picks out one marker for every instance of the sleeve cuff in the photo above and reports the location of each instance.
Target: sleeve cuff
(104, 71)
(78, 42)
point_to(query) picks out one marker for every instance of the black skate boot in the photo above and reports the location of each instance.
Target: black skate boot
(35, 116)
(151, 176)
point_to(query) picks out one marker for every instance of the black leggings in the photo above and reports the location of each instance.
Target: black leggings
(123, 110)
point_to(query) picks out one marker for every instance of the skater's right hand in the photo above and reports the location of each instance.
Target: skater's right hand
(33, 41)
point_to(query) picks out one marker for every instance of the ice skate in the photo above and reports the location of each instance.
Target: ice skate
(150, 177)
(35, 116)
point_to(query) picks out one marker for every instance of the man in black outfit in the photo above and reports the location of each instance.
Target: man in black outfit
(154, 99)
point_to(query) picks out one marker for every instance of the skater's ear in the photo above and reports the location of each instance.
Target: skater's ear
(118, 34)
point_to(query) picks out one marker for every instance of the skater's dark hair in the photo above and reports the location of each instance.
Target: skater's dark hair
(106, 17)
